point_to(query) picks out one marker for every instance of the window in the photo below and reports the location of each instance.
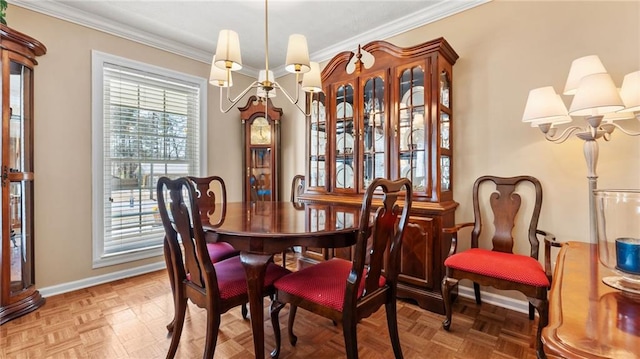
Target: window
(148, 122)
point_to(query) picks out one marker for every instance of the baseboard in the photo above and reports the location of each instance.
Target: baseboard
(520, 306)
(101, 279)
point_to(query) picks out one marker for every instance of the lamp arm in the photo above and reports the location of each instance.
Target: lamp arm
(233, 102)
(626, 132)
(290, 98)
(549, 135)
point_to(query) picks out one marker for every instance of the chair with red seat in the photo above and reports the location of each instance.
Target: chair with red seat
(212, 210)
(346, 291)
(216, 287)
(500, 267)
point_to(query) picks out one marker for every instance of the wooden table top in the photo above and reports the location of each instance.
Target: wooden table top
(587, 318)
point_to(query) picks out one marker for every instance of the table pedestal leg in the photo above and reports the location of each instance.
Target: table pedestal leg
(255, 265)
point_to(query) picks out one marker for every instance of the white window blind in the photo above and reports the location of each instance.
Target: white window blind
(150, 124)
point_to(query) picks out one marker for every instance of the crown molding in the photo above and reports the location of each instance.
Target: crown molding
(73, 15)
(429, 14)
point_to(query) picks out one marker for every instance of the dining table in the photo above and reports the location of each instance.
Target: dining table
(263, 228)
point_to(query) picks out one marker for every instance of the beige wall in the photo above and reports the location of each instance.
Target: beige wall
(505, 48)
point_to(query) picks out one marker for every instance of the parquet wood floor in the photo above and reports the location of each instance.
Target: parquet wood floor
(127, 318)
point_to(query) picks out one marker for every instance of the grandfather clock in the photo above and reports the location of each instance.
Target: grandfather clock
(18, 295)
(261, 143)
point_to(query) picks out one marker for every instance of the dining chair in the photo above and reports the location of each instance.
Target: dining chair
(216, 287)
(500, 267)
(348, 291)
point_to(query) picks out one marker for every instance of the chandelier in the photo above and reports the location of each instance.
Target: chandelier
(227, 59)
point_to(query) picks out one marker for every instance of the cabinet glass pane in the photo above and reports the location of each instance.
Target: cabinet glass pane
(261, 171)
(374, 130)
(317, 174)
(412, 135)
(445, 130)
(445, 170)
(20, 233)
(445, 88)
(20, 119)
(345, 137)
(317, 141)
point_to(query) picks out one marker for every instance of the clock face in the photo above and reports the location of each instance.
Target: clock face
(260, 131)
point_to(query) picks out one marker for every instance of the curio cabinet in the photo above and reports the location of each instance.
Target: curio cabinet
(18, 294)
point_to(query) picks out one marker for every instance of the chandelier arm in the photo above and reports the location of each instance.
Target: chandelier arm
(626, 132)
(233, 102)
(563, 136)
(290, 98)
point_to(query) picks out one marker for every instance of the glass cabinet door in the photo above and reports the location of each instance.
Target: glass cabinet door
(412, 129)
(345, 138)
(374, 130)
(318, 142)
(18, 170)
(260, 159)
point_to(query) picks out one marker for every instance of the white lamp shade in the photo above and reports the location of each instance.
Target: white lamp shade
(228, 51)
(218, 76)
(297, 54)
(544, 105)
(630, 92)
(261, 92)
(596, 95)
(312, 80)
(580, 68)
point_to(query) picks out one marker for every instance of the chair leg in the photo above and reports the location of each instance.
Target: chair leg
(350, 336)
(542, 305)
(274, 310)
(211, 338)
(532, 314)
(392, 323)
(180, 307)
(447, 285)
(476, 291)
(292, 318)
(169, 263)
(244, 310)
(284, 259)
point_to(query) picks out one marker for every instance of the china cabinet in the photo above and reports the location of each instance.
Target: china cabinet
(261, 144)
(18, 294)
(391, 117)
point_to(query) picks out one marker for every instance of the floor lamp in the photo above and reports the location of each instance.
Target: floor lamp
(595, 97)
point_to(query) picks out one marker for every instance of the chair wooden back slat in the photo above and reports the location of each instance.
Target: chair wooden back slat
(189, 227)
(379, 238)
(505, 204)
(208, 203)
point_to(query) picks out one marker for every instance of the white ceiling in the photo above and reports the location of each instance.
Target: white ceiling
(190, 28)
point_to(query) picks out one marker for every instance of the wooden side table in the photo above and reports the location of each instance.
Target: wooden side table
(588, 319)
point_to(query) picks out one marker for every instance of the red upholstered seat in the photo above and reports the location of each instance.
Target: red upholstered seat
(323, 283)
(512, 267)
(219, 251)
(232, 280)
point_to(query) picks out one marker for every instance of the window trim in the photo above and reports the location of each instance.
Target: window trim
(98, 59)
